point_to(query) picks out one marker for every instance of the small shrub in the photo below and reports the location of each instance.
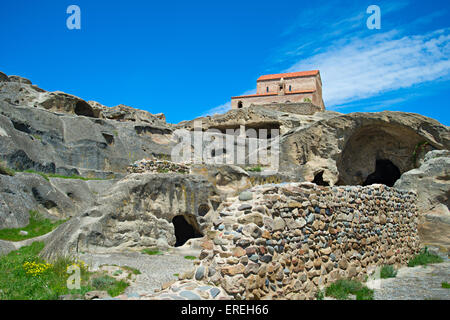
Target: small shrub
(341, 290)
(190, 257)
(109, 284)
(388, 271)
(445, 285)
(307, 100)
(423, 258)
(255, 169)
(117, 273)
(320, 295)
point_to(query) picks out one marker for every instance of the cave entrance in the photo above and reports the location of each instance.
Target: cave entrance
(318, 179)
(385, 173)
(184, 231)
(82, 108)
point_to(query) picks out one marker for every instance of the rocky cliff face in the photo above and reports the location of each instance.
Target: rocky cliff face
(59, 133)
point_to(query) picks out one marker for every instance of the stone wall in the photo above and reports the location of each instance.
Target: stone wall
(291, 239)
(247, 101)
(296, 108)
(154, 165)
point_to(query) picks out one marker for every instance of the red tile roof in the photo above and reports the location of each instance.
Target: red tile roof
(288, 75)
(273, 94)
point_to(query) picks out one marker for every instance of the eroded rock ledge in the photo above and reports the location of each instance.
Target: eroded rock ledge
(136, 213)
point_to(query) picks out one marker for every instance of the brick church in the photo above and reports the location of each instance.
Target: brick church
(293, 87)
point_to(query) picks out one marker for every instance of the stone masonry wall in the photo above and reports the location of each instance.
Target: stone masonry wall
(286, 241)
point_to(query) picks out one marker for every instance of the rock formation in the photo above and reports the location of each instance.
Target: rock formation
(431, 181)
(352, 191)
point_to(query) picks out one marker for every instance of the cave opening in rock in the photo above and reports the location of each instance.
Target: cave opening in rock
(82, 108)
(385, 173)
(203, 209)
(184, 231)
(318, 179)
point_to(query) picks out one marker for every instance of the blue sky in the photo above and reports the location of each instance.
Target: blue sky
(187, 58)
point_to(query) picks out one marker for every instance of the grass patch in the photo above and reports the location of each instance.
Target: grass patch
(341, 290)
(255, 169)
(423, 258)
(37, 226)
(320, 295)
(388, 271)
(46, 176)
(445, 285)
(6, 171)
(151, 252)
(176, 275)
(190, 257)
(25, 276)
(109, 284)
(131, 270)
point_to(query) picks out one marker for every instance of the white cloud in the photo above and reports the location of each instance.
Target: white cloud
(366, 67)
(219, 109)
(223, 108)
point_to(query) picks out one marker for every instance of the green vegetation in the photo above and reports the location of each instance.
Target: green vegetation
(37, 226)
(131, 270)
(423, 258)
(46, 176)
(320, 295)
(117, 273)
(255, 169)
(109, 284)
(388, 271)
(5, 170)
(307, 100)
(26, 276)
(341, 290)
(151, 252)
(445, 285)
(176, 275)
(190, 257)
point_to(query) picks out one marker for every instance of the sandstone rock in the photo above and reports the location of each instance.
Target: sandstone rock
(278, 224)
(118, 225)
(246, 195)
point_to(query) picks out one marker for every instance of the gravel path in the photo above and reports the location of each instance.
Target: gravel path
(417, 283)
(155, 269)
